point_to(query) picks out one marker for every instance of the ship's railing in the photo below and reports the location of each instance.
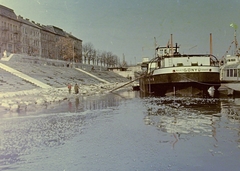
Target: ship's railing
(214, 60)
(149, 70)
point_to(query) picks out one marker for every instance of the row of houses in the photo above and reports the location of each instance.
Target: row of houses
(23, 36)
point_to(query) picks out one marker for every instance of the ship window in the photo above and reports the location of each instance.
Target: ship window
(235, 72)
(194, 64)
(179, 64)
(229, 72)
(232, 73)
(231, 60)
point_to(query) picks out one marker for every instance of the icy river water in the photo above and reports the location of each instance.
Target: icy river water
(124, 132)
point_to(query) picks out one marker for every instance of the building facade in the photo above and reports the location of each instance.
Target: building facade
(10, 31)
(22, 36)
(30, 37)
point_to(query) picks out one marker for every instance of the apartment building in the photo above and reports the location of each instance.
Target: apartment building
(30, 37)
(19, 35)
(9, 31)
(48, 39)
(55, 51)
(77, 46)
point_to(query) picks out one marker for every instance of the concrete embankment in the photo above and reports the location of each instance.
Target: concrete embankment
(36, 99)
(32, 86)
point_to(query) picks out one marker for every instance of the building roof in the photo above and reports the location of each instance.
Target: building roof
(7, 12)
(57, 30)
(73, 37)
(27, 22)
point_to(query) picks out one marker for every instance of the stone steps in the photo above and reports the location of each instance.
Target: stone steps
(24, 76)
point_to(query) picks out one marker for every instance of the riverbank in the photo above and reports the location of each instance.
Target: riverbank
(30, 101)
(18, 94)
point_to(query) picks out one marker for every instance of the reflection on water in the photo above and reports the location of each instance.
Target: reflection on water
(24, 134)
(183, 116)
(231, 108)
(101, 102)
(85, 103)
(77, 102)
(192, 116)
(180, 117)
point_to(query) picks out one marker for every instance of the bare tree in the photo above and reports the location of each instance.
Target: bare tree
(111, 59)
(88, 52)
(115, 60)
(123, 63)
(92, 56)
(98, 57)
(104, 58)
(66, 48)
(78, 56)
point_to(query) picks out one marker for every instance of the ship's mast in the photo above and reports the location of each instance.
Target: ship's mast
(235, 37)
(235, 40)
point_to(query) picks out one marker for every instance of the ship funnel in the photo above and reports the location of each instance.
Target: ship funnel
(210, 43)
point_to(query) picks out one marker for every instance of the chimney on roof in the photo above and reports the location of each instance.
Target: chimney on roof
(20, 17)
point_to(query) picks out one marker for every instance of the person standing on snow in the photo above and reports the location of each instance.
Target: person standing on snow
(76, 87)
(69, 88)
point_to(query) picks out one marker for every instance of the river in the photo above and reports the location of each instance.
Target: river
(122, 131)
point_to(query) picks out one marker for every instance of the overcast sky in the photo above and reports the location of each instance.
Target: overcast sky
(129, 26)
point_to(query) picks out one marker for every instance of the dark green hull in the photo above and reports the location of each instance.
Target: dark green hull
(184, 83)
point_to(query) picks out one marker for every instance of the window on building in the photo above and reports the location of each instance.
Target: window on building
(235, 72)
(229, 72)
(10, 47)
(232, 73)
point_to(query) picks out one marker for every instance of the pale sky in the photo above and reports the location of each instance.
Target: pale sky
(129, 26)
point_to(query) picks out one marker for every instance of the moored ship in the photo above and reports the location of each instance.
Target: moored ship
(173, 73)
(230, 69)
(230, 74)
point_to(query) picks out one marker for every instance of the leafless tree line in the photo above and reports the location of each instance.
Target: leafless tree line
(91, 56)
